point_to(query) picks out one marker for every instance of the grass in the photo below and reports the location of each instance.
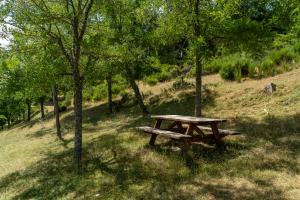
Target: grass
(262, 163)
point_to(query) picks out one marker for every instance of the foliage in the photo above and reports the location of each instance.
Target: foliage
(275, 62)
(3, 120)
(231, 67)
(236, 66)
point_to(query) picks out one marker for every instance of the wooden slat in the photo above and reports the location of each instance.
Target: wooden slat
(186, 119)
(227, 132)
(165, 133)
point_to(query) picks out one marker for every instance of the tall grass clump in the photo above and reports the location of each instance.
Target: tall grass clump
(99, 92)
(3, 120)
(165, 72)
(232, 67)
(236, 66)
(278, 61)
(296, 47)
(283, 55)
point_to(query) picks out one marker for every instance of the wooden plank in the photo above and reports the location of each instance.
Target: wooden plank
(187, 119)
(154, 136)
(226, 132)
(165, 133)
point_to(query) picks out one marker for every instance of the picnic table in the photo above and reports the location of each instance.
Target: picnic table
(187, 129)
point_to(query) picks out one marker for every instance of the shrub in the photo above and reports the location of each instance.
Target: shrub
(234, 67)
(99, 92)
(254, 70)
(282, 55)
(2, 120)
(227, 72)
(267, 67)
(214, 66)
(164, 76)
(278, 61)
(67, 99)
(296, 47)
(88, 93)
(152, 80)
(165, 72)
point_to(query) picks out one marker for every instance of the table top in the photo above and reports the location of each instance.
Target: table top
(187, 119)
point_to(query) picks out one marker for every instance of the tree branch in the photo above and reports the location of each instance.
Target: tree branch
(85, 20)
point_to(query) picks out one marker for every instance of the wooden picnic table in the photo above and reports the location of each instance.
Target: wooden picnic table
(193, 126)
(187, 128)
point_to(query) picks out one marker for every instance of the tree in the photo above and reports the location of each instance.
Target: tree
(11, 86)
(127, 39)
(66, 25)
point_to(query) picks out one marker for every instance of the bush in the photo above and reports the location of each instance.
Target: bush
(282, 55)
(164, 76)
(296, 47)
(267, 67)
(68, 99)
(214, 66)
(3, 120)
(278, 61)
(88, 93)
(99, 92)
(254, 70)
(234, 67)
(152, 80)
(166, 72)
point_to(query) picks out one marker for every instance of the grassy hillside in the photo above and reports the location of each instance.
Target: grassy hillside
(262, 163)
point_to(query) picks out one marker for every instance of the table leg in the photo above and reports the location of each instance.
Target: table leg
(186, 146)
(154, 136)
(217, 137)
(199, 131)
(190, 130)
(186, 142)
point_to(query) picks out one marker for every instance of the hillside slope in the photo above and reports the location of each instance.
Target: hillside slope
(262, 163)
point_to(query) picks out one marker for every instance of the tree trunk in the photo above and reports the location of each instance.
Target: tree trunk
(79, 21)
(109, 92)
(78, 116)
(198, 96)
(28, 111)
(136, 90)
(197, 34)
(42, 107)
(56, 110)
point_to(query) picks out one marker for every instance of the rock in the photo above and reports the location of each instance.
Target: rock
(270, 88)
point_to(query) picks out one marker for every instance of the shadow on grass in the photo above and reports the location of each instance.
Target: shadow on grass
(115, 168)
(113, 171)
(41, 133)
(279, 134)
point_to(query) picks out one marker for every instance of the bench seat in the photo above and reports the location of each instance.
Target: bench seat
(165, 133)
(221, 131)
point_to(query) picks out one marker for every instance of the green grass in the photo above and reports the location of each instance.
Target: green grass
(262, 163)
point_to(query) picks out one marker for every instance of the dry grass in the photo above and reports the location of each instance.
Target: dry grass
(262, 163)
